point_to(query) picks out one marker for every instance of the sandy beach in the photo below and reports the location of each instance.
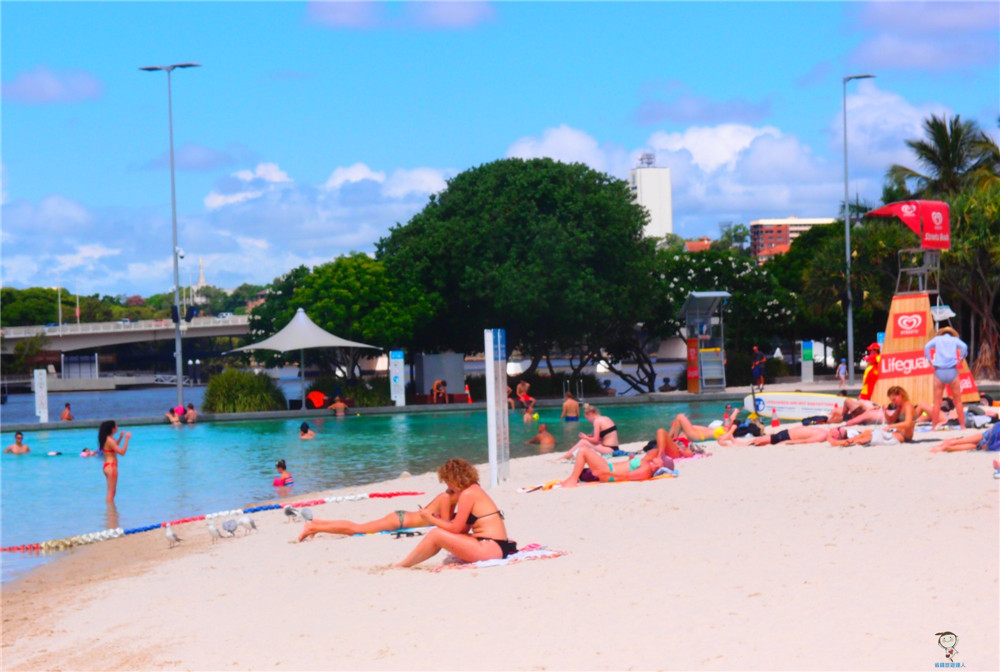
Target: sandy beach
(802, 557)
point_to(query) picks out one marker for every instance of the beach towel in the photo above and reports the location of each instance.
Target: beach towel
(529, 552)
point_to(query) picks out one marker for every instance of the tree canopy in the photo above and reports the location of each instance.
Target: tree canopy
(547, 250)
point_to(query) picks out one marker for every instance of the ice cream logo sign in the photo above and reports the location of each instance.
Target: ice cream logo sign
(909, 325)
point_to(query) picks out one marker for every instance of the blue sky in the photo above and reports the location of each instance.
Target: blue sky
(312, 128)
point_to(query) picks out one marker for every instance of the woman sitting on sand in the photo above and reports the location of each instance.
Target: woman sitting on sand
(442, 506)
(900, 431)
(682, 425)
(634, 469)
(604, 440)
(476, 532)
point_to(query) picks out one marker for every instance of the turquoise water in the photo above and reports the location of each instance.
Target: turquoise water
(174, 472)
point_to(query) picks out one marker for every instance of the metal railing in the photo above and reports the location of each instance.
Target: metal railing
(68, 329)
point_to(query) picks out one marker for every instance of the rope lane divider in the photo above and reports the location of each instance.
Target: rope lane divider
(55, 545)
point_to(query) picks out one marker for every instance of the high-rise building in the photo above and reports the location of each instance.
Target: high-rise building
(769, 237)
(651, 186)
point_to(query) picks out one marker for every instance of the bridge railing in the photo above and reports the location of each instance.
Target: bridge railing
(68, 329)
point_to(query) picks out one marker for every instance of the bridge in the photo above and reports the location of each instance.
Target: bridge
(70, 337)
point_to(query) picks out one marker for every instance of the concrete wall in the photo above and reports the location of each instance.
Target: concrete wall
(449, 367)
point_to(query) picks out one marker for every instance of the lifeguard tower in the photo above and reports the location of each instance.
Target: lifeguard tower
(703, 333)
(911, 320)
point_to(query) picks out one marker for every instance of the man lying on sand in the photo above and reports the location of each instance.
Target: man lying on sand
(792, 435)
(856, 412)
(988, 440)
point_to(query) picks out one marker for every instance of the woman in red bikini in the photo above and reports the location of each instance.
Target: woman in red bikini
(111, 448)
(477, 532)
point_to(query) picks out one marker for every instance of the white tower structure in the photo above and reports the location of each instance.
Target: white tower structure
(197, 299)
(651, 186)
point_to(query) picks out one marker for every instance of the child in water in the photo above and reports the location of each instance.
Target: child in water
(284, 477)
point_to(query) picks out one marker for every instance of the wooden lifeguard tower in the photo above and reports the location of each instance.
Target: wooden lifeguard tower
(911, 321)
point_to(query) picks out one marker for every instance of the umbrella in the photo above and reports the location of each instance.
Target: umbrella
(299, 334)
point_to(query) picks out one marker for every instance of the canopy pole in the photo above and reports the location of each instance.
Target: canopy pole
(302, 374)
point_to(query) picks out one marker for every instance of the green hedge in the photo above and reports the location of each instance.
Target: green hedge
(372, 392)
(236, 391)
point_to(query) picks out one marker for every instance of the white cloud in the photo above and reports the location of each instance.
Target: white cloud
(570, 145)
(41, 85)
(879, 122)
(248, 185)
(353, 173)
(712, 147)
(269, 172)
(421, 181)
(450, 14)
(85, 257)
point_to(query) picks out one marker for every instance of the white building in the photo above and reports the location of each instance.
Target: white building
(651, 186)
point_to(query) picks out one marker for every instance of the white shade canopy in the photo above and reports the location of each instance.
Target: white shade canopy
(301, 333)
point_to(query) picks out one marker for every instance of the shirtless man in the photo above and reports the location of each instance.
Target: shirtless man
(172, 416)
(18, 448)
(903, 420)
(544, 438)
(338, 405)
(439, 392)
(791, 435)
(523, 397)
(570, 409)
(66, 414)
(856, 412)
(191, 415)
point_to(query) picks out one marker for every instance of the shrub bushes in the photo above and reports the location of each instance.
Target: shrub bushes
(365, 393)
(236, 391)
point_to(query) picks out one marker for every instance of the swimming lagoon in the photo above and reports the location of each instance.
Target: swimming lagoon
(172, 472)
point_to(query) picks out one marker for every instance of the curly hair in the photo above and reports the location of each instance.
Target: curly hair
(459, 473)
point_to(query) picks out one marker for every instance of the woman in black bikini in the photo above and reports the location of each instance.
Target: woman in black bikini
(443, 506)
(604, 439)
(477, 532)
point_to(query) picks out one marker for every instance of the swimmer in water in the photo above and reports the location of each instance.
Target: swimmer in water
(305, 432)
(284, 477)
(18, 447)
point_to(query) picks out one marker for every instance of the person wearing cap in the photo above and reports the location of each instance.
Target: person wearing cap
(945, 352)
(842, 373)
(873, 358)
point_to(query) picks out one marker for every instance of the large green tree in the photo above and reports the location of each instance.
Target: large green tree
(970, 270)
(352, 297)
(546, 250)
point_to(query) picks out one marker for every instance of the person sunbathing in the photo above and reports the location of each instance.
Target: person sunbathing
(476, 531)
(682, 425)
(442, 506)
(634, 469)
(900, 431)
(856, 412)
(924, 412)
(792, 435)
(988, 440)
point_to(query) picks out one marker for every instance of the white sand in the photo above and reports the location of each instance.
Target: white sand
(782, 557)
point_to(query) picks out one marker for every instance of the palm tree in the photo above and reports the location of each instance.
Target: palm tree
(986, 169)
(949, 154)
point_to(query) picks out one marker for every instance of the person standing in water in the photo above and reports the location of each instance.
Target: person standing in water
(111, 448)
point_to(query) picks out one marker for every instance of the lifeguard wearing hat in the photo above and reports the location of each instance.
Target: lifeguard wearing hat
(873, 358)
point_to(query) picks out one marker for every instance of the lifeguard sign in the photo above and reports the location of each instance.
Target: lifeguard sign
(911, 323)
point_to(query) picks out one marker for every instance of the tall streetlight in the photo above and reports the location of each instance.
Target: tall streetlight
(847, 242)
(178, 359)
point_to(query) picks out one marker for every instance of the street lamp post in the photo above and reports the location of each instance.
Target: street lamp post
(847, 242)
(178, 357)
